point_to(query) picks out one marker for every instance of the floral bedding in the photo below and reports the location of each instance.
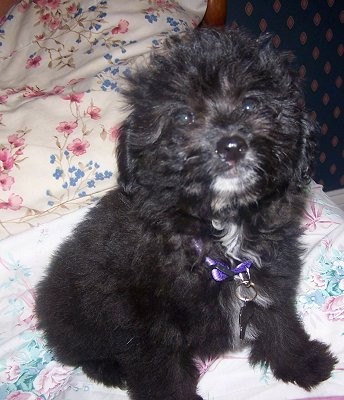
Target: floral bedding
(28, 370)
(62, 66)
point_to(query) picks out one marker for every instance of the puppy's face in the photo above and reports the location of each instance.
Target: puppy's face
(216, 115)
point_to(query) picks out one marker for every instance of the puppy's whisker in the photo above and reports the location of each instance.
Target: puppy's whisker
(192, 158)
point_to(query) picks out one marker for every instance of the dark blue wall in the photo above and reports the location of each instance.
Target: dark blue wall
(314, 31)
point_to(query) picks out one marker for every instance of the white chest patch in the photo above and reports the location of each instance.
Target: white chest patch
(232, 240)
(234, 243)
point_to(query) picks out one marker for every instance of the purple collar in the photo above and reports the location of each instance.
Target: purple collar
(220, 270)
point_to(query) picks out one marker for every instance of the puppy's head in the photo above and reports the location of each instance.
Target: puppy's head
(216, 115)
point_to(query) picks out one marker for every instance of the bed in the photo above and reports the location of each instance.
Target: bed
(62, 69)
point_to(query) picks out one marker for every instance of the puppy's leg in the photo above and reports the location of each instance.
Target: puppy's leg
(162, 375)
(282, 343)
(104, 371)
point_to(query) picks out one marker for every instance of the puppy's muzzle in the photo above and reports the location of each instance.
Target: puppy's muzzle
(231, 149)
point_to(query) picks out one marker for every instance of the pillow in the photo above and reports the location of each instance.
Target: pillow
(62, 67)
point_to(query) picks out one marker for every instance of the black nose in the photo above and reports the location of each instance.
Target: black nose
(231, 149)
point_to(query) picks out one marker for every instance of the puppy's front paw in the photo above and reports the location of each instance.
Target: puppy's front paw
(307, 368)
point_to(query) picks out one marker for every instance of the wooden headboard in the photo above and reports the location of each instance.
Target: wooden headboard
(214, 16)
(216, 13)
(5, 5)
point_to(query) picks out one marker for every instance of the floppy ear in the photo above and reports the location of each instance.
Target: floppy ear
(282, 63)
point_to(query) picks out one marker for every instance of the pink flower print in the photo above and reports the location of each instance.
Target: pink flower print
(74, 97)
(327, 243)
(6, 159)
(334, 308)
(14, 203)
(114, 133)
(78, 147)
(40, 36)
(33, 62)
(122, 27)
(19, 395)
(94, 112)
(74, 81)
(40, 3)
(10, 373)
(23, 6)
(3, 99)
(51, 379)
(314, 217)
(58, 89)
(53, 4)
(45, 18)
(16, 140)
(19, 152)
(66, 127)
(319, 281)
(72, 9)
(6, 181)
(33, 92)
(54, 24)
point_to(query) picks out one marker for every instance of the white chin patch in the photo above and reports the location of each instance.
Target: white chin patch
(227, 185)
(223, 189)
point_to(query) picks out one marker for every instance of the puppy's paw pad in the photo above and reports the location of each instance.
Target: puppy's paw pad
(310, 368)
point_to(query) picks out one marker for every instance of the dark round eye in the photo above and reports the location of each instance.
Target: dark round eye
(184, 118)
(249, 104)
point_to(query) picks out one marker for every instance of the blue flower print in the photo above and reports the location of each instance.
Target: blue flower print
(79, 173)
(58, 173)
(107, 174)
(151, 18)
(79, 12)
(99, 176)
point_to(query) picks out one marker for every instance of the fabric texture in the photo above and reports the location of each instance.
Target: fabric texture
(62, 67)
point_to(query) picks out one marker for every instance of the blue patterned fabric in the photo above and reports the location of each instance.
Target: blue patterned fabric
(313, 31)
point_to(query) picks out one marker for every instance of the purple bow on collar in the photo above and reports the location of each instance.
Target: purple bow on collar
(221, 271)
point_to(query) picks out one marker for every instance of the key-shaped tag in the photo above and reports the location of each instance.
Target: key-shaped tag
(245, 315)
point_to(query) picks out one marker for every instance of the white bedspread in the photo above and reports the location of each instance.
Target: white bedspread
(29, 372)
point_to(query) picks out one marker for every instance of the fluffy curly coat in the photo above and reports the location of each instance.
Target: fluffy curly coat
(214, 159)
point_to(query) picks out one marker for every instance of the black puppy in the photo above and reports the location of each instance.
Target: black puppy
(197, 251)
